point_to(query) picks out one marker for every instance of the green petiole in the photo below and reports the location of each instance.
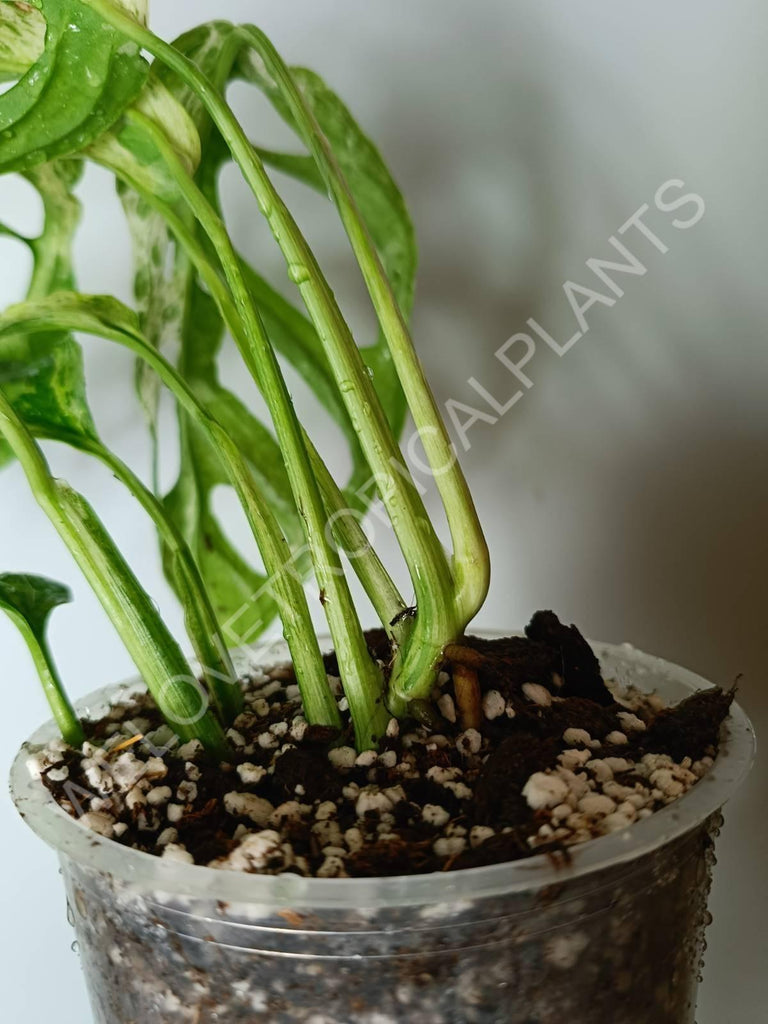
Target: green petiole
(152, 648)
(28, 601)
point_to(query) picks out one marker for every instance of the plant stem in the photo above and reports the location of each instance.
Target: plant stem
(470, 565)
(58, 701)
(63, 712)
(152, 648)
(202, 626)
(362, 679)
(319, 703)
(347, 531)
(427, 564)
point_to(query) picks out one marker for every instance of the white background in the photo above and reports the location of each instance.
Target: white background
(627, 490)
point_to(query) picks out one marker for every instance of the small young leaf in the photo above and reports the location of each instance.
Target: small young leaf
(33, 598)
(29, 601)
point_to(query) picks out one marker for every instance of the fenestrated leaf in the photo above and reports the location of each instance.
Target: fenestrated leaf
(42, 373)
(154, 294)
(29, 601)
(44, 382)
(85, 77)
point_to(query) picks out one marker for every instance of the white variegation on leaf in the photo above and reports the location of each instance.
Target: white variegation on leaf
(22, 37)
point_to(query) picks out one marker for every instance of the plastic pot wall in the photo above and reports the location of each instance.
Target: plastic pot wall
(614, 937)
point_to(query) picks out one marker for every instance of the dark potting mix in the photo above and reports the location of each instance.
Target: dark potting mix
(524, 749)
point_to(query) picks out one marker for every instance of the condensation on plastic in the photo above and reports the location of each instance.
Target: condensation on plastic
(616, 936)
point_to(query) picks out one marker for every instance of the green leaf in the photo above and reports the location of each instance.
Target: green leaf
(85, 77)
(131, 152)
(29, 601)
(42, 373)
(33, 598)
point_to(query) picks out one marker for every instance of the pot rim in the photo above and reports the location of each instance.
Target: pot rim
(149, 872)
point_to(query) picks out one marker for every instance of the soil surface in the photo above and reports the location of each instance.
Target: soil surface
(524, 749)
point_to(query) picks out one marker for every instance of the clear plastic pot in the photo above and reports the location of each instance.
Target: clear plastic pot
(614, 937)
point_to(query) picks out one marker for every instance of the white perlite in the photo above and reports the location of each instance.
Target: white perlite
(189, 751)
(579, 797)
(393, 728)
(248, 805)
(127, 769)
(342, 757)
(446, 707)
(596, 805)
(617, 738)
(630, 722)
(449, 847)
(574, 737)
(494, 705)
(42, 761)
(372, 801)
(543, 790)
(159, 795)
(251, 774)
(435, 815)
(256, 852)
(478, 835)
(102, 824)
(538, 694)
(469, 742)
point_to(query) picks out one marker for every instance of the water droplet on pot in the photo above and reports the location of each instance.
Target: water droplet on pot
(70, 914)
(75, 947)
